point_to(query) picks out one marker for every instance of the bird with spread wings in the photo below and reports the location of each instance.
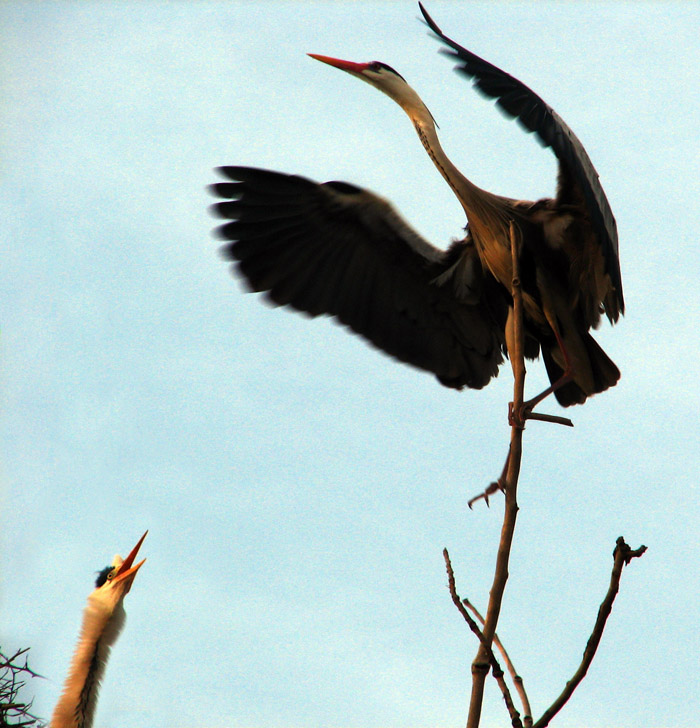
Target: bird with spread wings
(336, 249)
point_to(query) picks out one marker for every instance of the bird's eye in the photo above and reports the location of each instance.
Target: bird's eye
(104, 575)
(378, 66)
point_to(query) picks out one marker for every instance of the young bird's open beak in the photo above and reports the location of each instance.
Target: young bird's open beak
(126, 570)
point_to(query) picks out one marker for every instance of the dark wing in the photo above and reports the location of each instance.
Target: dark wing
(336, 249)
(518, 101)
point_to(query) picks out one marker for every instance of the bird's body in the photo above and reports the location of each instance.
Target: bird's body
(336, 249)
(103, 620)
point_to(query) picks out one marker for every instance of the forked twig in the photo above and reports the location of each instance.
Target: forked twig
(622, 555)
(496, 669)
(12, 674)
(9, 662)
(517, 679)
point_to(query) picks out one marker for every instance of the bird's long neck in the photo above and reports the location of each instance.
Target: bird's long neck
(483, 209)
(76, 706)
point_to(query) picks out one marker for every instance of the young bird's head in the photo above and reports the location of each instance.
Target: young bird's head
(115, 580)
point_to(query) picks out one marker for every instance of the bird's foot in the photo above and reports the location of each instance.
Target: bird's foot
(517, 417)
(492, 488)
(495, 487)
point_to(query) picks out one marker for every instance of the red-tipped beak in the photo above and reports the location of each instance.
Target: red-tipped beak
(348, 66)
(126, 570)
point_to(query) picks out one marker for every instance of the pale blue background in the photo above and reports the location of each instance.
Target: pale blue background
(299, 486)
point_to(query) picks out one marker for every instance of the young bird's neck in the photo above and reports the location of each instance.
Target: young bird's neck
(100, 629)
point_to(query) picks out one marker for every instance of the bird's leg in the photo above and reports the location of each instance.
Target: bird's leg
(525, 411)
(565, 378)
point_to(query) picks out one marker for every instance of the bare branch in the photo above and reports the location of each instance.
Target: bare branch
(13, 712)
(496, 669)
(517, 680)
(622, 555)
(480, 665)
(8, 662)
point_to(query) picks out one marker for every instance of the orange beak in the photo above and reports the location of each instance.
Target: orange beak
(348, 66)
(126, 570)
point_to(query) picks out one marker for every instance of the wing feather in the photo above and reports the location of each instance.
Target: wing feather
(520, 102)
(339, 250)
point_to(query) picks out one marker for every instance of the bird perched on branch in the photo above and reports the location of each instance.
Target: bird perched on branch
(103, 620)
(336, 249)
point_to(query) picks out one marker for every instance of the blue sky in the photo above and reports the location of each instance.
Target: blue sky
(299, 486)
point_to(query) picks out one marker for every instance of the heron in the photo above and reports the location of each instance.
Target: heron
(103, 620)
(337, 249)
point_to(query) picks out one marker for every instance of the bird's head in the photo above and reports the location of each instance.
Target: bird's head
(114, 581)
(382, 77)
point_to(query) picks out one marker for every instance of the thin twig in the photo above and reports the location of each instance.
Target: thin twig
(8, 662)
(480, 665)
(12, 673)
(556, 419)
(622, 555)
(496, 669)
(517, 680)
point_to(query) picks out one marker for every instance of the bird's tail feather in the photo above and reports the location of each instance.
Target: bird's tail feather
(604, 372)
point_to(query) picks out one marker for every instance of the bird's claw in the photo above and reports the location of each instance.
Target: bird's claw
(516, 418)
(525, 412)
(490, 490)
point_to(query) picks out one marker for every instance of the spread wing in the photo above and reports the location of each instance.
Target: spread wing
(336, 249)
(520, 102)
